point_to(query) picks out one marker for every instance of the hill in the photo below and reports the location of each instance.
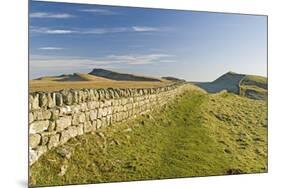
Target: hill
(251, 86)
(229, 81)
(254, 87)
(121, 76)
(73, 77)
(173, 79)
(81, 80)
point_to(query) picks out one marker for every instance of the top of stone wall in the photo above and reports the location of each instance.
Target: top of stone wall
(47, 100)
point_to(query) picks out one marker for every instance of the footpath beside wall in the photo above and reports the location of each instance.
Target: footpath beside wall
(55, 117)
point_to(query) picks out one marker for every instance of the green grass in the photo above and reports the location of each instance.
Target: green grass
(197, 135)
(255, 78)
(254, 87)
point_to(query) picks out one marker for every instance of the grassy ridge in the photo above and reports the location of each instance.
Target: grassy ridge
(254, 87)
(259, 81)
(196, 135)
(251, 86)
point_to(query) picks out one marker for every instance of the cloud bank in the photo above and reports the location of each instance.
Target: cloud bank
(99, 11)
(66, 62)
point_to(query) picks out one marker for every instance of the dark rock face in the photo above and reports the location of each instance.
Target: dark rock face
(120, 76)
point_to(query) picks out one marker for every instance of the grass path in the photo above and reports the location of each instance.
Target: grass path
(178, 140)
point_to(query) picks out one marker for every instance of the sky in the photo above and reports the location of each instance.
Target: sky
(65, 38)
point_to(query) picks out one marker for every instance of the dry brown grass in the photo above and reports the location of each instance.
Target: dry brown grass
(81, 80)
(47, 85)
(72, 77)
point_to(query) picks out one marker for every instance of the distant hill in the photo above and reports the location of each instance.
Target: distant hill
(229, 81)
(173, 79)
(72, 77)
(121, 76)
(98, 78)
(251, 86)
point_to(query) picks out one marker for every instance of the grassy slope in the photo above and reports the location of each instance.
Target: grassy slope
(72, 77)
(254, 87)
(47, 85)
(84, 77)
(81, 80)
(254, 79)
(198, 135)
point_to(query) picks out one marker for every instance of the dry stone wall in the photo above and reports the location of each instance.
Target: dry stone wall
(55, 117)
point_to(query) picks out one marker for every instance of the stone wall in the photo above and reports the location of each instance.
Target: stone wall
(55, 117)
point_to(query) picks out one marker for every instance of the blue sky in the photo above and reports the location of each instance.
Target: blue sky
(196, 46)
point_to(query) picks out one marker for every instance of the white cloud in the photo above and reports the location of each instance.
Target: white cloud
(45, 30)
(99, 11)
(50, 48)
(138, 59)
(105, 30)
(144, 29)
(59, 31)
(50, 15)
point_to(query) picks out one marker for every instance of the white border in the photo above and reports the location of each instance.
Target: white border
(13, 135)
